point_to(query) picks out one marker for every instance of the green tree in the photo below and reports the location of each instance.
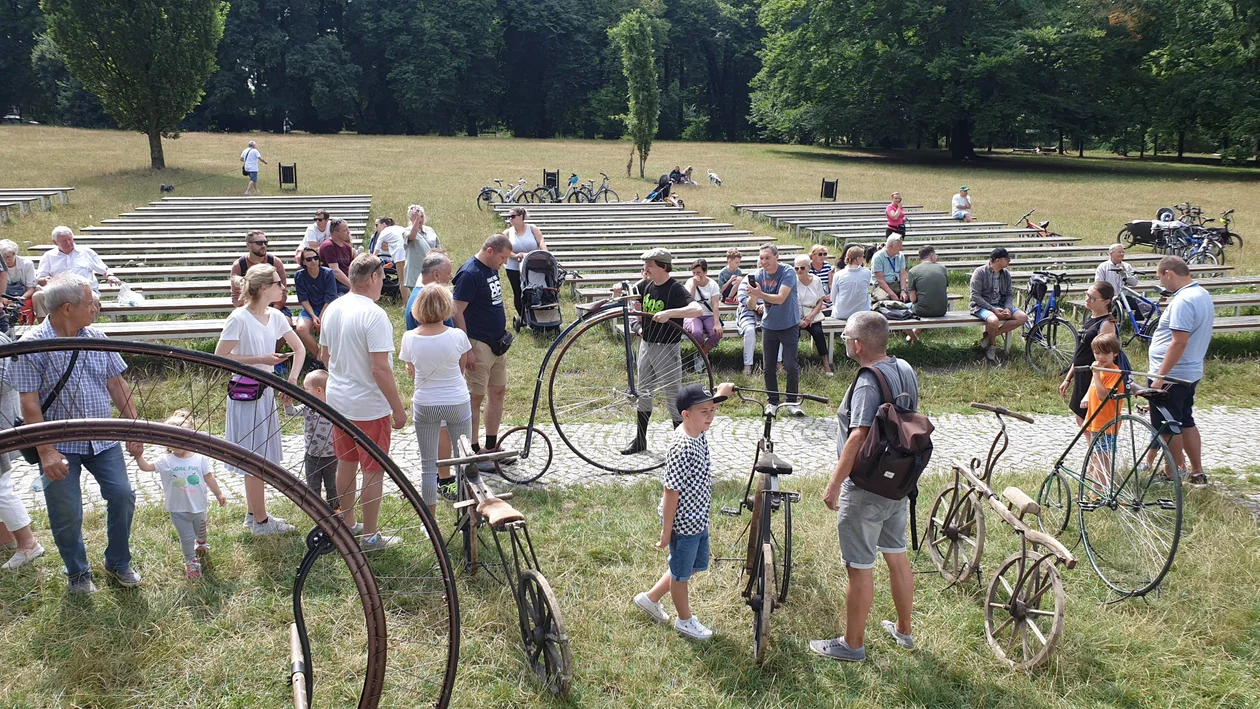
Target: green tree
(638, 59)
(146, 60)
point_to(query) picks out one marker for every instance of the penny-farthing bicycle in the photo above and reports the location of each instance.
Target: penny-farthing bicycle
(595, 394)
(515, 563)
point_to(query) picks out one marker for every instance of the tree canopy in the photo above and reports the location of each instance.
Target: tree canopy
(633, 34)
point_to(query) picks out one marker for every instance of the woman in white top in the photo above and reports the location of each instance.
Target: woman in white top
(436, 356)
(15, 523)
(707, 329)
(249, 337)
(813, 298)
(851, 286)
(420, 240)
(525, 238)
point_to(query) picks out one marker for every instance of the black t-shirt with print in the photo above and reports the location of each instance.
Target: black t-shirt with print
(668, 296)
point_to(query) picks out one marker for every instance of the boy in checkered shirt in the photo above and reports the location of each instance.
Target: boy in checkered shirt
(685, 509)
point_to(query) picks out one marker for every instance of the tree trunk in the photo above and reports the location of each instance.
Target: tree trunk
(1181, 144)
(1142, 145)
(1155, 147)
(1061, 151)
(960, 147)
(642, 162)
(990, 143)
(1080, 147)
(156, 159)
(630, 162)
(470, 125)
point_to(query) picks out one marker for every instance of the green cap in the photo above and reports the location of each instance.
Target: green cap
(962, 189)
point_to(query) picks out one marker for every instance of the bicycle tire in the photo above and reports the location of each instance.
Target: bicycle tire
(1132, 532)
(761, 605)
(1020, 602)
(1031, 308)
(524, 197)
(542, 195)
(753, 552)
(543, 634)
(524, 470)
(1127, 238)
(1050, 346)
(272, 475)
(955, 521)
(575, 197)
(607, 195)
(486, 198)
(583, 393)
(783, 565)
(1055, 499)
(1150, 324)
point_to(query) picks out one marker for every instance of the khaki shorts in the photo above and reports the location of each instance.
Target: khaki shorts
(490, 371)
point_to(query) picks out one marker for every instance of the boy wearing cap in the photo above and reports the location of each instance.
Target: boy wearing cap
(660, 355)
(960, 206)
(684, 510)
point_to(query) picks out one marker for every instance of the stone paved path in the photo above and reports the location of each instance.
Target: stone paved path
(808, 442)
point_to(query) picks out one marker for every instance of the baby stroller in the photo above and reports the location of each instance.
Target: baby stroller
(661, 193)
(541, 278)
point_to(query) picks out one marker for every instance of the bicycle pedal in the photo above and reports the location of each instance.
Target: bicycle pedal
(730, 511)
(1166, 504)
(792, 496)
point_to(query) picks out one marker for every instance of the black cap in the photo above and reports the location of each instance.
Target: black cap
(693, 394)
(998, 253)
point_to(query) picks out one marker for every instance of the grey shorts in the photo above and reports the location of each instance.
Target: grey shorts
(869, 524)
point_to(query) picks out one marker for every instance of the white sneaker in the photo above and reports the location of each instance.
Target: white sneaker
(272, 527)
(655, 610)
(692, 628)
(378, 542)
(22, 558)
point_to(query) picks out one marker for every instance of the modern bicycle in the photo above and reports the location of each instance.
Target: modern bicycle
(1135, 311)
(497, 195)
(767, 563)
(552, 194)
(1126, 493)
(603, 194)
(1049, 339)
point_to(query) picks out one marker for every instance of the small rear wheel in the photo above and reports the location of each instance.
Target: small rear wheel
(1050, 346)
(525, 469)
(487, 198)
(543, 195)
(576, 197)
(542, 632)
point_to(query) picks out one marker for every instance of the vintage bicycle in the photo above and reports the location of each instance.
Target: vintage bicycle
(767, 563)
(1026, 587)
(1126, 493)
(538, 614)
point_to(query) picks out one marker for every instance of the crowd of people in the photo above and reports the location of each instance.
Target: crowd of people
(455, 351)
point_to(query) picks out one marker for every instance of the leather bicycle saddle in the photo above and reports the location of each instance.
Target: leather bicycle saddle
(771, 464)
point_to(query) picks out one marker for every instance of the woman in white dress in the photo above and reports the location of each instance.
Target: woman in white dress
(249, 337)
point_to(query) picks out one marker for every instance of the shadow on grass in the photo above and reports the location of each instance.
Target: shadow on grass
(1043, 165)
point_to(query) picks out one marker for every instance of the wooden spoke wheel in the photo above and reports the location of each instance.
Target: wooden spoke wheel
(542, 631)
(1023, 611)
(955, 533)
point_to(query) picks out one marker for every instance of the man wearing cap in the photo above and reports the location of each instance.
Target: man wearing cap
(993, 301)
(960, 207)
(660, 356)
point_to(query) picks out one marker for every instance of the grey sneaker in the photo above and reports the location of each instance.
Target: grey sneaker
(378, 542)
(486, 466)
(22, 558)
(692, 628)
(81, 586)
(357, 529)
(654, 610)
(249, 521)
(985, 342)
(795, 410)
(838, 649)
(906, 641)
(272, 527)
(126, 576)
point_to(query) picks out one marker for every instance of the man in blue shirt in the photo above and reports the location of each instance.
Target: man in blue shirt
(889, 267)
(773, 285)
(479, 313)
(1178, 349)
(316, 287)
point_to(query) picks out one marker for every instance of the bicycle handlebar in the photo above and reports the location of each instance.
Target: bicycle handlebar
(1061, 277)
(1029, 214)
(1130, 372)
(811, 397)
(1001, 411)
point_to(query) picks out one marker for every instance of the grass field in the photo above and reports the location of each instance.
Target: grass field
(1090, 198)
(224, 643)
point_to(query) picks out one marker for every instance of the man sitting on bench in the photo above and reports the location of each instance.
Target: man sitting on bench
(993, 301)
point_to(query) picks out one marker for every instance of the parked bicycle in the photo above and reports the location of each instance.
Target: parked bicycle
(1042, 228)
(1127, 491)
(1049, 339)
(538, 614)
(551, 193)
(1026, 587)
(603, 194)
(1135, 311)
(767, 563)
(497, 195)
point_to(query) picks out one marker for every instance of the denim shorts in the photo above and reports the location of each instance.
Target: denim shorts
(253, 175)
(687, 555)
(985, 313)
(869, 524)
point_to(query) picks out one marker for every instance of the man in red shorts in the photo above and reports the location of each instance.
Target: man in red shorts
(357, 342)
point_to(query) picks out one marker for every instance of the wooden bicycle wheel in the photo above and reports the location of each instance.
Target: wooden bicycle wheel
(542, 631)
(955, 533)
(1024, 610)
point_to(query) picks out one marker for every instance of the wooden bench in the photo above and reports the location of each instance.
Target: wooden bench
(43, 194)
(157, 329)
(281, 249)
(1237, 301)
(292, 214)
(867, 234)
(5, 215)
(722, 240)
(264, 199)
(234, 237)
(682, 228)
(760, 207)
(1245, 323)
(191, 230)
(715, 255)
(234, 218)
(169, 306)
(187, 288)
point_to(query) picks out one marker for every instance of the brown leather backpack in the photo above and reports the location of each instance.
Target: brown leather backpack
(897, 449)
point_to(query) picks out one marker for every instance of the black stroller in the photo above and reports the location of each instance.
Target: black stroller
(661, 193)
(541, 279)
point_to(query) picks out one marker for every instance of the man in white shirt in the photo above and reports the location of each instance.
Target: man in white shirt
(315, 235)
(68, 258)
(1118, 273)
(960, 206)
(357, 341)
(251, 157)
(391, 245)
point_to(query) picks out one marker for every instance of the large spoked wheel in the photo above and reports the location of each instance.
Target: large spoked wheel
(762, 603)
(1130, 506)
(592, 406)
(1055, 499)
(1206, 258)
(524, 469)
(542, 631)
(1049, 346)
(608, 196)
(1024, 609)
(955, 533)
(542, 195)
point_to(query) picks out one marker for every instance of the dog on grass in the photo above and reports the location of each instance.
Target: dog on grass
(714, 179)
(166, 188)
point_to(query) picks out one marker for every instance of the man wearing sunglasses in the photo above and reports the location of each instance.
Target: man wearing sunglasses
(256, 243)
(315, 235)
